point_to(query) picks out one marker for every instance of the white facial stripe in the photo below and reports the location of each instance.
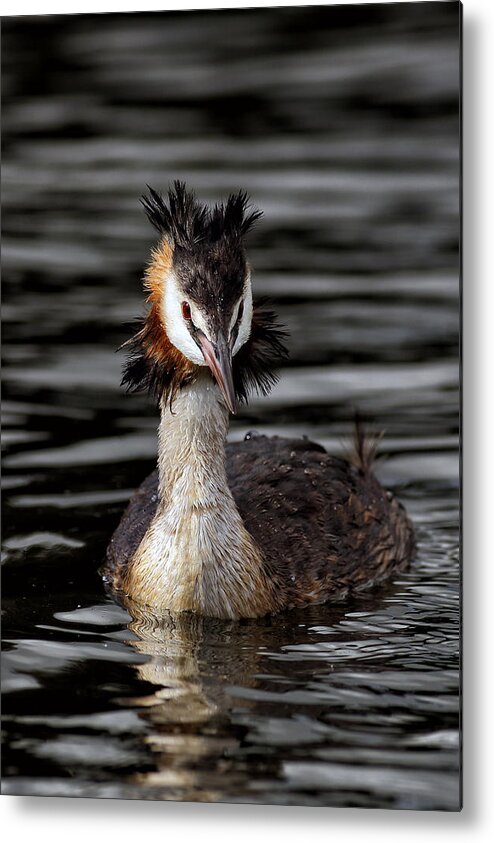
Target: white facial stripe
(176, 328)
(245, 324)
(198, 319)
(233, 320)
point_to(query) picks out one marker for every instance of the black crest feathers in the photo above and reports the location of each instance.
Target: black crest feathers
(187, 222)
(210, 265)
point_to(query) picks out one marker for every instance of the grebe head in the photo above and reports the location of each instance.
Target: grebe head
(202, 313)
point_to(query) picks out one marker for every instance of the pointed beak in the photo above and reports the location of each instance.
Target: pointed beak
(219, 359)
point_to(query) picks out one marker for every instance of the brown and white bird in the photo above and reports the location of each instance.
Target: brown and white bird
(244, 529)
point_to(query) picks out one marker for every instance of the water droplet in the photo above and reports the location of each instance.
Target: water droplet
(251, 434)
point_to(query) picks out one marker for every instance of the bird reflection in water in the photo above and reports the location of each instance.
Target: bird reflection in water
(211, 677)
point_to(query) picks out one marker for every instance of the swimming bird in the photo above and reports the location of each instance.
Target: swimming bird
(234, 530)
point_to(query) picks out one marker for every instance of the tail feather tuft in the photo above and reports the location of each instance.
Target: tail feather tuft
(365, 446)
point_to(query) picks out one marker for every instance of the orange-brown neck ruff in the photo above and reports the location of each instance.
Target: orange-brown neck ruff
(154, 363)
(157, 271)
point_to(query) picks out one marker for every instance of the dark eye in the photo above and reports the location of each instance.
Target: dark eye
(186, 311)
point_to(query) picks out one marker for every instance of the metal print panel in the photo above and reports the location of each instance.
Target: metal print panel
(274, 617)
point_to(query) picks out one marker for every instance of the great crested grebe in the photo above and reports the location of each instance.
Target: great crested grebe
(244, 529)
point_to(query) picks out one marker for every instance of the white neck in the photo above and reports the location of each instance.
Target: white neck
(197, 554)
(191, 450)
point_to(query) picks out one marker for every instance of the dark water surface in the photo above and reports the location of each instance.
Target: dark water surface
(342, 124)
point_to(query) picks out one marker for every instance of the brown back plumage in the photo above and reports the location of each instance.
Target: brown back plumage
(326, 526)
(315, 527)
